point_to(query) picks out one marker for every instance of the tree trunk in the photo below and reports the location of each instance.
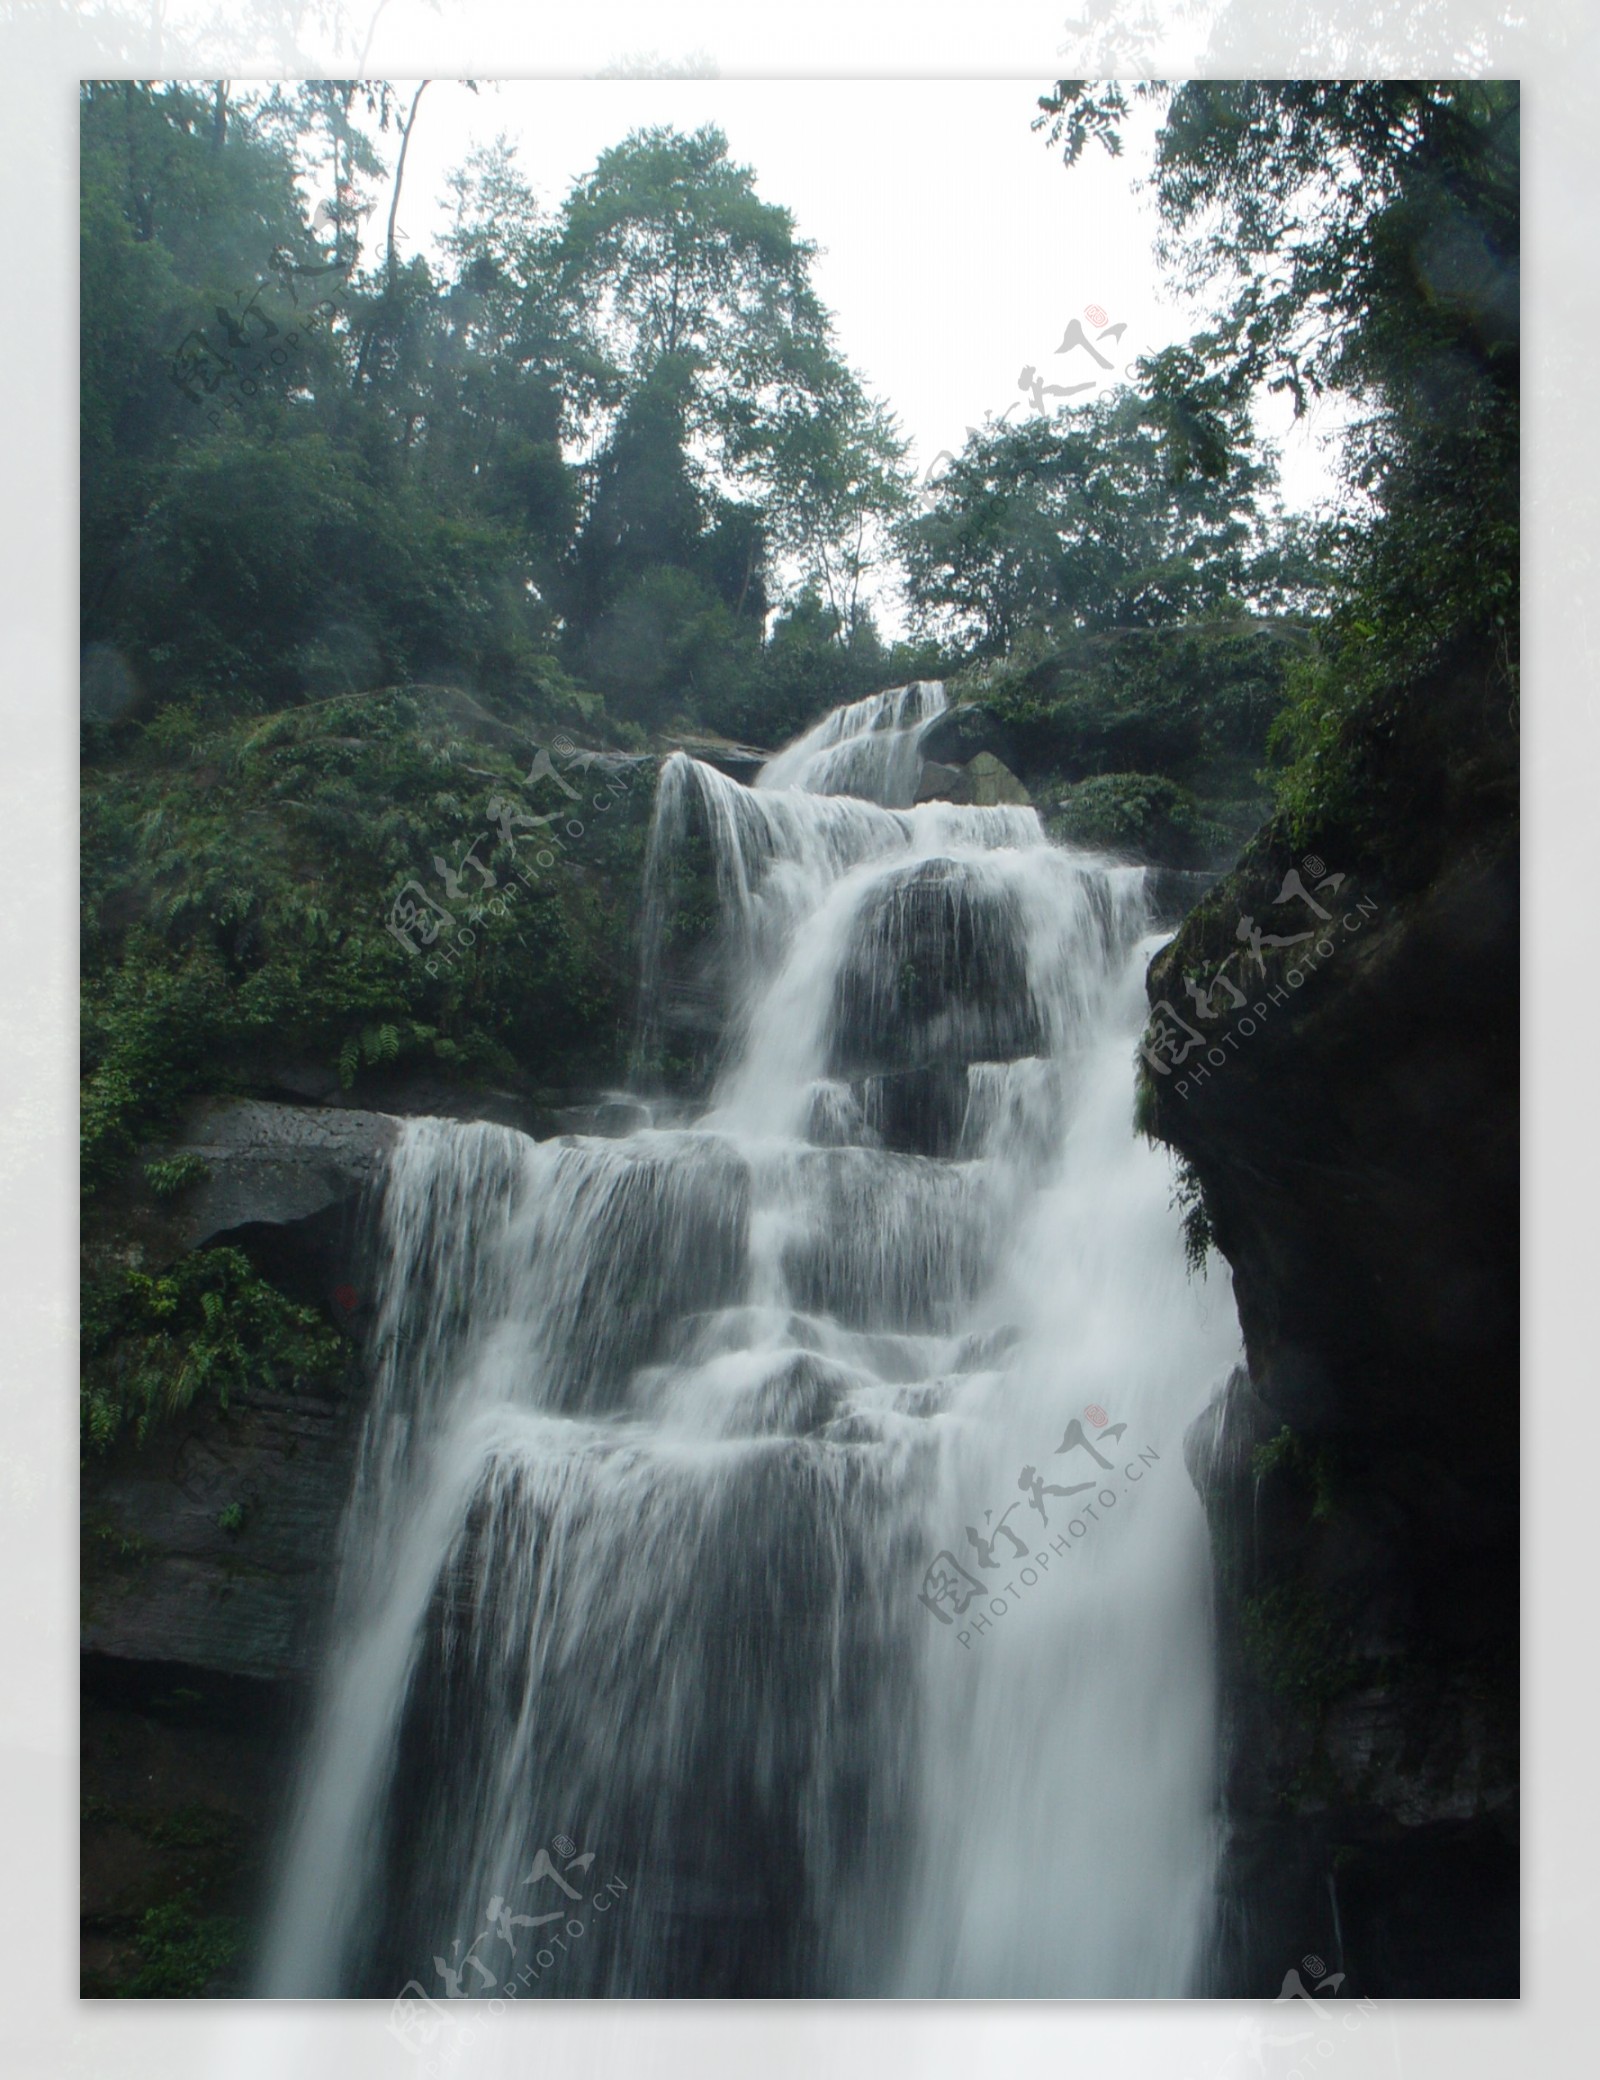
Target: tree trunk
(399, 177)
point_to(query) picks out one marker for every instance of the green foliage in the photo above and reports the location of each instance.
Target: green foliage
(1123, 514)
(170, 1175)
(1310, 1465)
(1188, 706)
(194, 1871)
(230, 1518)
(307, 473)
(689, 287)
(809, 665)
(1366, 235)
(1189, 1201)
(1195, 700)
(1139, 813)
(208, 1325)
(667, 648)
(235, 902)
(182, 1949)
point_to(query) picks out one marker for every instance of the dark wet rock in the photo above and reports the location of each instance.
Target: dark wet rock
(738, 761)
(981, 1352)
(939, 783)
(415, 1094)
(795, 1401)
(936, 976)
(919, 1111)
(182, 1779)
(1357, 1143)
(277, 1165)
(984, 782)
(211, 1546)
(1174, 892)
(313, 1083)
(961, 733)
(990, 783)
(610, 1118)
(836, 1118)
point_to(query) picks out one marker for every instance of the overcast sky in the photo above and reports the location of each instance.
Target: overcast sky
(956, 248)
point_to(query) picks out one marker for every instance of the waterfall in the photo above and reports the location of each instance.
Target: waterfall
(769, 1546)
(867, 748)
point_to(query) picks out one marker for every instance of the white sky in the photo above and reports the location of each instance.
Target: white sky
(955, 245)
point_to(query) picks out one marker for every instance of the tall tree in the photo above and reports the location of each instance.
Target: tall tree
(676, 262)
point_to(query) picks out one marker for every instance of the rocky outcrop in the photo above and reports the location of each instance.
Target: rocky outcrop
(1333, 1050)
(984, 782)
(277, 1166)
(207, 1565)
(210, 1545)
(738, 761)
(936, 974)
(964, 732)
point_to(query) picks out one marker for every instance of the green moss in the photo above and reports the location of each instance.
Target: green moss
(178, 1918)
(1297, 1649)
(1310, 1465)
(1189, 705)
(182, 1950)
(1145, 1101)
(125, 1547)
(1307, 1463)
(1140, 813)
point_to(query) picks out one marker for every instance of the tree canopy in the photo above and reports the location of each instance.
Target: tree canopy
(1361, 237)
(615, 434)
(1092, 521)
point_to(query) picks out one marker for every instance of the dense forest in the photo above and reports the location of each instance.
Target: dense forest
(363, 535)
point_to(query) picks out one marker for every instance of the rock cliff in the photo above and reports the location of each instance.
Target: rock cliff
(1333, 1051)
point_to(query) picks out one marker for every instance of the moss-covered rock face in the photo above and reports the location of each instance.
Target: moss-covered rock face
(1333, 1051)
(329, 899)
(992, 784)
(1140, 815)
(180, 1772)
(404, 898)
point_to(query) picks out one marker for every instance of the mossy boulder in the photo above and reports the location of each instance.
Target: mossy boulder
(1139, 816)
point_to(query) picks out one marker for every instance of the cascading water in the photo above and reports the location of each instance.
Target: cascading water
(720, 1549)
(867, 748)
